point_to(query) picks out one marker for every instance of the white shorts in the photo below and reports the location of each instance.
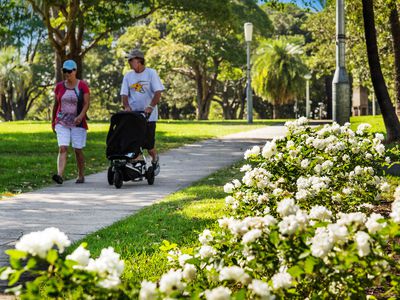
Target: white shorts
(74, 135)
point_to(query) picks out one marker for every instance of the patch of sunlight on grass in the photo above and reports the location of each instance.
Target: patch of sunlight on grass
(210, 208)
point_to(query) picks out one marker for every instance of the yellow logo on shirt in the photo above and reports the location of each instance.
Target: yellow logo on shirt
(138, 87)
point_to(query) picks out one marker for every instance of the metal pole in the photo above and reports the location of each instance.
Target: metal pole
(248, 90)
(373, 104)
(341, 84)
(307, 98)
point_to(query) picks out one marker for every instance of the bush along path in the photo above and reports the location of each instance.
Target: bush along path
(302, 223)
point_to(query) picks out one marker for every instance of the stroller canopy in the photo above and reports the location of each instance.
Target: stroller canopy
(126, 134)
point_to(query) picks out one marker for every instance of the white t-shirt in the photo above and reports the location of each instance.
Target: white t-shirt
(140, 89)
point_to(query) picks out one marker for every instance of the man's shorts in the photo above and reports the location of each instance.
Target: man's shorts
(74, 135)
(150, 136)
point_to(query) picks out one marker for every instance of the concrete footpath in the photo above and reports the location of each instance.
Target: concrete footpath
(79, 209)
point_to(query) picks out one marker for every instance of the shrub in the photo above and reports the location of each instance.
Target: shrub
(333, 166)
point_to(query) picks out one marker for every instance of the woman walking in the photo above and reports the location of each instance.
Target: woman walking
(72, 98)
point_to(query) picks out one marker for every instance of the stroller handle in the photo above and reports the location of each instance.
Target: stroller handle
(146, 115)
(142, 112)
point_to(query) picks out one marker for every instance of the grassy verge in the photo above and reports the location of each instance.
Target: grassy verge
(377, 126)
(28, 150)
(179, 219)
(375, 121)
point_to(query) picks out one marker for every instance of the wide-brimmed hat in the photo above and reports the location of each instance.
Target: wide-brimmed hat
(135, 53)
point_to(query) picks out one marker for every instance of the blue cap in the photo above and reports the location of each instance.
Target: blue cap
(69, 65)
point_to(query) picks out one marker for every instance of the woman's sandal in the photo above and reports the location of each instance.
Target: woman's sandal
(80, 180)
(57, 178)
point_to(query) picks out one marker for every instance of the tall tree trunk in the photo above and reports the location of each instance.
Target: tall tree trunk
(395, 29)
(20, 106)
(59, 58)
(242, 104)
(204, 109)
(205, 92)
(200, 96)
(6, 109)
(388, 113)
(274, 109)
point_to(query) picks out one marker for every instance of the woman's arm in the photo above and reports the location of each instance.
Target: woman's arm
(86, 102)
(53, 117)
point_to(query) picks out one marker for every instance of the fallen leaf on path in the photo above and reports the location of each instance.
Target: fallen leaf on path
(7, 194)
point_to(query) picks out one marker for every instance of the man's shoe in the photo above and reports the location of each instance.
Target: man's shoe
(57, 178)
(80, 180)
(156, 166)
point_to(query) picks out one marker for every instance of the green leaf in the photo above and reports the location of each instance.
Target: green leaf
(52, 256)
(309, 265)
(240, 295)
(16, 254)
(296, 271)
(14, 277)
(274, 238)
(166, 246)
(31, 263)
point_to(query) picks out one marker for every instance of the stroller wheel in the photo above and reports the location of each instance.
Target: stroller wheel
(110, 176)
(150, 176)
(118, 179)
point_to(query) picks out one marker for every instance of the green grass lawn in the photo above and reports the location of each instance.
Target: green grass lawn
(28, 149)
(179, 219)
(375, 121)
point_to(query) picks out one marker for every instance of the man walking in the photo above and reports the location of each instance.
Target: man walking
(141, 91)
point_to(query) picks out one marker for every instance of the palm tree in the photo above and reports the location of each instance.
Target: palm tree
(14, 78)
(278, 72)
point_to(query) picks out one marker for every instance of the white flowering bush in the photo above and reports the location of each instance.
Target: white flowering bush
(296, 255)
(295, 229)
(76, 276)
(334, 167)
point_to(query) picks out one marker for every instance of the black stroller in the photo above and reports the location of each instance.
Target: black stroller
(125, 139)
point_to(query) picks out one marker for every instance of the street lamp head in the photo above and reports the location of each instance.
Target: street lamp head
(307, 76)
(248, 32)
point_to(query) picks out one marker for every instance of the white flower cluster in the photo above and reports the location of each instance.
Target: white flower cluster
(108, 266)
(333, 163)
(81, 256)
(395, 214)
(292, 223)
(310, 186)
(252, 152)
(257, 177)
(38, 243)
(326, 238)
(269, 149)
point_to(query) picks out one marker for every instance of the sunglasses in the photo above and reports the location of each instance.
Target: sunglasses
(68, 71)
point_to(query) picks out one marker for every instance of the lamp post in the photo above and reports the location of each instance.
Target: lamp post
(341, 84)
(373, 104)
(307, 77)
(248, 33)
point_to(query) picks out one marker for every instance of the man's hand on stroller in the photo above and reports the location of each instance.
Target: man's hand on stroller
(148, 110)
